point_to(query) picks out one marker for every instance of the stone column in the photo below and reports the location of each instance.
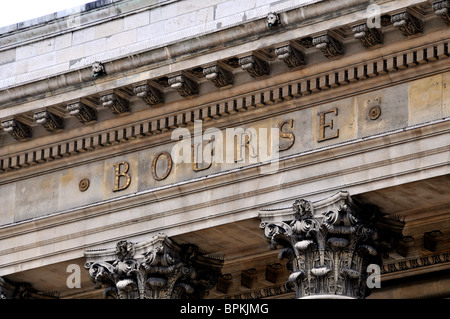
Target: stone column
(329, 245)
(156, 269)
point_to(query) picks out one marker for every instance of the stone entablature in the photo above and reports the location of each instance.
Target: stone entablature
(158, 58)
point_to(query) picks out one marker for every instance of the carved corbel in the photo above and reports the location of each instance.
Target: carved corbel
(407, 23)
(149, 94)
(49, 121)
(98, 69)
(115, 103)
(368, 36)
(291, 56)
(441, 9)
(254, 66)
(16, 129)
(329, 46)
(219, 76)
(185, 87)
(82, 112)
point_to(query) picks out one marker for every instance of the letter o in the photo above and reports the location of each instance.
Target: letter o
(168, 169)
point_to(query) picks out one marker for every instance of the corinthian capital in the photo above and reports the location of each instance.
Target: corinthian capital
(156, 269)
(330, 244)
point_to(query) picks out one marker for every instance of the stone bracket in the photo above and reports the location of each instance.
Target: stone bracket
(407, 23)
(185, 86)
(82, 112)
(255, 66)
(441, 9)
(329, 46)
(218, 75)
(49, 121)
(115, 103)
(149, 94)
(16, 129)
(291, 56)
(368, 36)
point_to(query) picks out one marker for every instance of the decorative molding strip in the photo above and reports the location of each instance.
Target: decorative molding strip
(414, 263)
(266, 292)
(287, 91)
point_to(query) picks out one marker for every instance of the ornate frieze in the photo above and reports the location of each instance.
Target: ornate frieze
(407, 23)
(329, 245)
(49, 121)
(115, 103)
(254, 66)
(148, 94)
(157, 269)
(82, 112)
(368, 36)
(291, 56)
(329, 46)
(16, 129)
(441, 8)
(185, 87)
(219, 76)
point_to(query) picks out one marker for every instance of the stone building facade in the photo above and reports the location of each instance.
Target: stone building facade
(166, 149)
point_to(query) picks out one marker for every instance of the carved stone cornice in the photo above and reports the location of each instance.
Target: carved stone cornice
(219, 76)
(157, 269)
(82, 112)
(368, 36)
(407, 23)
(329, 245)
(149, 94)
(329, 46)
(291, 56)
(185, 86)
(255, 66)
(16, 129)
(49, 121)
(115, 103)
(441, 8)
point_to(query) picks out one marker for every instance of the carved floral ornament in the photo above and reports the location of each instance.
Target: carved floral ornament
(157, 269)
(329, 245)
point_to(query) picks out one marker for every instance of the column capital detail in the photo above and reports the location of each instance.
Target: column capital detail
(155, 269)
(330, 243)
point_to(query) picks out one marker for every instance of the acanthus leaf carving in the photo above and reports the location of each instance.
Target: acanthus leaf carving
(329, 46)
(291, 56)
(218, 75)
(149, 94)
(82, 112)
(255, 66)
(329, 245)
(16, 129)
(163, 271)
(115, 103)
(407, 23)
(368, 36)
(441, 9)
(49, 121)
